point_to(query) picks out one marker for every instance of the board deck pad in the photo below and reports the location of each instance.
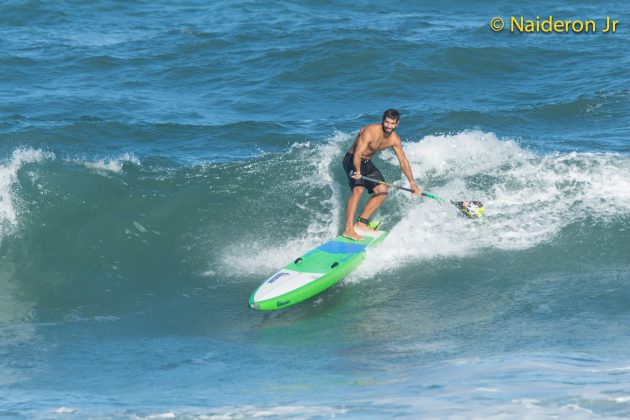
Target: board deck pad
(313, 272)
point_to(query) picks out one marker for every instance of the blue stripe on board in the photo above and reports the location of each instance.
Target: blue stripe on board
(334, 247)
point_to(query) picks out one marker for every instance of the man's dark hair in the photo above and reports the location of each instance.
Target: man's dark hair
(391, 113)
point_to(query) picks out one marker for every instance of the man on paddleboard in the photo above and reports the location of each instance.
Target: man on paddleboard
(358, 162)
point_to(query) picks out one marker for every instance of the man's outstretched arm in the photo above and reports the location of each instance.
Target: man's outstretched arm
(406, 167)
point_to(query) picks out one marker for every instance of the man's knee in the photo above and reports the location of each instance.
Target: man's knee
(358, 191)
(381, 190)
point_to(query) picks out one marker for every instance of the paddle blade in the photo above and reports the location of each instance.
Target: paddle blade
(472, 209)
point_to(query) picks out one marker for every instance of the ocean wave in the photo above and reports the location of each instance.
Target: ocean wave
(528, 198)
(596, 105)
(12, 204)
(109, 164)
(9, 202)
(240, 219)
(315, 175)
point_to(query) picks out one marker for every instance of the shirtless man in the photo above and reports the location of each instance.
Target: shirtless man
(358, 162)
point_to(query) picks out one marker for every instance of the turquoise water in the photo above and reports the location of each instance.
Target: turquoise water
(159, 161)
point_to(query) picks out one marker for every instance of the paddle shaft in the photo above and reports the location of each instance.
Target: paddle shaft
(367, 178)
(460, 205)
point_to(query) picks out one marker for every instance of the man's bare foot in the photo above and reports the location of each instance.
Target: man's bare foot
(351, 234)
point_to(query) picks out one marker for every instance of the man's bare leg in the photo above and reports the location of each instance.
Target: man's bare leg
(351, 210)
(380, 194)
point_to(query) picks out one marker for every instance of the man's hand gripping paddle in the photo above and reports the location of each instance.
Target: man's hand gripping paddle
(472, 209)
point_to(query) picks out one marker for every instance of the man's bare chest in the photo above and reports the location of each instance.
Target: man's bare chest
(378, 145)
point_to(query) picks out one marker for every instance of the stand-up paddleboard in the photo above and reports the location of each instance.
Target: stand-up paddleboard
(313, 272)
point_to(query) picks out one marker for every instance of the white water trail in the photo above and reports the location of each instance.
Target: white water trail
(528, 198)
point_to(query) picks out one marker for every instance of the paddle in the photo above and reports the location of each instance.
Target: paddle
(472, 209)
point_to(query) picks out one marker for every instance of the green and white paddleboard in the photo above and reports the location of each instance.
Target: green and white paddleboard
(313, 272)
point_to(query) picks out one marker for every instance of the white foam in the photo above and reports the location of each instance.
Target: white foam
(265, 257)
(250, 411)
(110, 164)
(65, 410)
(317, 173)
(528, 198)
(463, 154)
(140, 227)
(9, 203)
